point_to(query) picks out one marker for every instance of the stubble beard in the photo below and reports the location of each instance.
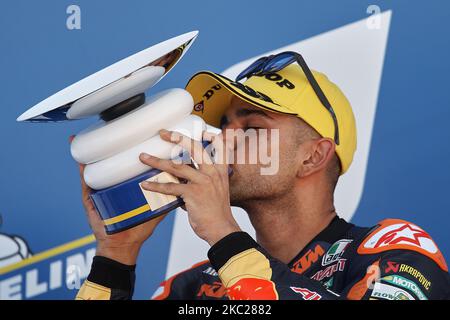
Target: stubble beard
(250, 186)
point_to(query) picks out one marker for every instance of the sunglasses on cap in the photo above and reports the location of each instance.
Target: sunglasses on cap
(277, 62)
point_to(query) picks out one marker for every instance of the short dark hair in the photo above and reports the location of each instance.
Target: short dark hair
(305, 132)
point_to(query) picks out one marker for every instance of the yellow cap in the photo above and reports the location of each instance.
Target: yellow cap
(287, 91)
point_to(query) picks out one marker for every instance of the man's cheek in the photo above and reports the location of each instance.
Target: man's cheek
(245, 153)
(269, 151)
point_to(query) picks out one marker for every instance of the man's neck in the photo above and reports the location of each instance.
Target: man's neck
(284, 226)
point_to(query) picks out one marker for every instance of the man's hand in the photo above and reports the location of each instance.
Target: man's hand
(123, 246)
(206, 193)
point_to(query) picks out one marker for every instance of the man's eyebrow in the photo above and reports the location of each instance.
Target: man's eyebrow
(246, 112)
(243, 113)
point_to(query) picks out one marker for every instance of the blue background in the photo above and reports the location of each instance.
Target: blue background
(408, 173)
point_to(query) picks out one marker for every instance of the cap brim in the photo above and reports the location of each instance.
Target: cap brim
(212, 94)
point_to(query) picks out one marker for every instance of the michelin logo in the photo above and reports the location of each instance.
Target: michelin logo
(35, 279)
(59, 273)
(13, 249)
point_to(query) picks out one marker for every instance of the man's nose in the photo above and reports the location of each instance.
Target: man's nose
(230, 135)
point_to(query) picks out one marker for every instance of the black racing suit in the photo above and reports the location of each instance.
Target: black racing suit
(395, 260)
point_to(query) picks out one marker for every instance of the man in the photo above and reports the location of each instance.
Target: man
(303, 250)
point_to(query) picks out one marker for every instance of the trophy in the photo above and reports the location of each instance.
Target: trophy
(129, 122)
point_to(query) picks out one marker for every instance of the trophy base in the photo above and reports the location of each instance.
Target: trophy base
(125, 205)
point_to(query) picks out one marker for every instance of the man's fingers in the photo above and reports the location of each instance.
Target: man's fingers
(85, 189)
(93, 217)
(194, 148)
(85, 195)
(170, 188)
(221, 152)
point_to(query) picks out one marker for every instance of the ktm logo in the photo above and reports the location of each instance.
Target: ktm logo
(308, 259)
(215, 290)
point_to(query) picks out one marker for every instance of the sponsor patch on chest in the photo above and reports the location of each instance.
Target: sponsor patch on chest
(335, 252)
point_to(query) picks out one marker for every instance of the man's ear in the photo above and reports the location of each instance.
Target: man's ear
(318, 154)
